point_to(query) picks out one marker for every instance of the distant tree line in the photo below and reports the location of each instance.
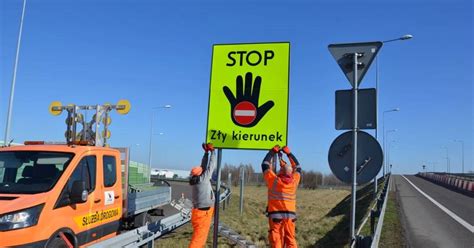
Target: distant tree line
(309, 179)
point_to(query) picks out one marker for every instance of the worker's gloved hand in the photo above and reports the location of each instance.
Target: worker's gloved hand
(276, 149)
(286, 150)
(210, 147)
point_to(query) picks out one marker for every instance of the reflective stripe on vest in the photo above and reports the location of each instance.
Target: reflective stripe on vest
(273, 194)
(280, 198)
(284, 215)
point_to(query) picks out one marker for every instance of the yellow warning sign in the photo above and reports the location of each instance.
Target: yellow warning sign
(248, 99)
(97, 217)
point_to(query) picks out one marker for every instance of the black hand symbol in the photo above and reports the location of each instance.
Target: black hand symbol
(244, 106)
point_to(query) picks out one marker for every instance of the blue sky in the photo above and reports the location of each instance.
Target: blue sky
(159, 52)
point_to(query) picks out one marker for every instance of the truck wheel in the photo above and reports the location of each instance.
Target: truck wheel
(141, 219)
(157, 212)
(57, 242)
(161, 212)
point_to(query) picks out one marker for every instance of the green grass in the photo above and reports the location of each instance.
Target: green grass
(392, 232)
(320, 214)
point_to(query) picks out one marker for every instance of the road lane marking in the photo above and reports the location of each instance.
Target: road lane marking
(447, 211)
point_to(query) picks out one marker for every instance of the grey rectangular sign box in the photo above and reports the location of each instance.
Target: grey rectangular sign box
(367, 117)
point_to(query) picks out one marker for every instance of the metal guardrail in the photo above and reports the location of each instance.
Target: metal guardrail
(146, 235)
(185, 206)
(228, 233)
(377, 210)
(235, 237)
(381, 213)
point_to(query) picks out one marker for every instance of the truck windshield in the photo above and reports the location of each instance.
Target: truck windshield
(31, 172)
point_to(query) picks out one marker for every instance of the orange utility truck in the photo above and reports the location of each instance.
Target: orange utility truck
(73, 194)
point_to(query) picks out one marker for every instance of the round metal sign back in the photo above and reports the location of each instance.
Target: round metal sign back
(369, 157)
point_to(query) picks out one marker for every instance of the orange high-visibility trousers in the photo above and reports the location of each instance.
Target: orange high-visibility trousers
(201, 221)
(282, 233)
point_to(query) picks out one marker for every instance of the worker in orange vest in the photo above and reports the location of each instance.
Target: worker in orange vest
(202, 197)
(282, 188)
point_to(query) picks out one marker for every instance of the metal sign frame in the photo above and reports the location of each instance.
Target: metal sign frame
(343, 54)
(218, 97)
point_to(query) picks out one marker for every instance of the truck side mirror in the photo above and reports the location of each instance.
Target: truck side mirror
(78, 192)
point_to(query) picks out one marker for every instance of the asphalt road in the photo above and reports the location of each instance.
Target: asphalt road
(425, 223)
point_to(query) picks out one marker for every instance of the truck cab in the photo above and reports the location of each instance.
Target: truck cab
(67, 196)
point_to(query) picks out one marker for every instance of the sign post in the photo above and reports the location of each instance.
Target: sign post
(355, 59)
(355, 87)
(218, 196)
(248, 101)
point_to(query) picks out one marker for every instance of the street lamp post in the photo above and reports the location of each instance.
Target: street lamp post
(433, 165)
(167, 106)
(388, 153)
(462, 152)
(6, 140)
(130, 151)
(386, 149)
(133, 145)
(447, 159)
(404, 37)
(383, 133)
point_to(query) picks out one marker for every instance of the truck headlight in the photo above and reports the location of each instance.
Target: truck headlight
(20, 219)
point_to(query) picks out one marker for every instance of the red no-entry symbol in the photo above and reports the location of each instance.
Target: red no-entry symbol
(245, 113)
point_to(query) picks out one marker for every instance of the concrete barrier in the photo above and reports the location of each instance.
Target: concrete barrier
(471, 186)
(450, 181)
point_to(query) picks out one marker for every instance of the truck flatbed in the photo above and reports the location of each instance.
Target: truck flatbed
(150, 197)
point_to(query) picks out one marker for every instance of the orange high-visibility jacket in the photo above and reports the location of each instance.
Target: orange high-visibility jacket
(281, 196)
